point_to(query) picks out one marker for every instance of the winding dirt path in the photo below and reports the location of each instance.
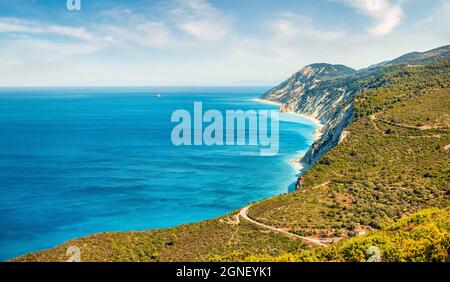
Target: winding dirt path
(374, 119)
(422, 127)
(323, 184)
(244, 214)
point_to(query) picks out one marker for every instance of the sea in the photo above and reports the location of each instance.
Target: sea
(77, 161)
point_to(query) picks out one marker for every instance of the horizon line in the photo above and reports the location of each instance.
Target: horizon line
(137, 86)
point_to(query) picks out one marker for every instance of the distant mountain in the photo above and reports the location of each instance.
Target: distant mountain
(415, 58)
(327, 92)
(306, 78)
(421, 57)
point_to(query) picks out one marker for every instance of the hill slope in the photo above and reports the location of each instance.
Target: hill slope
(393, 161)
(327, 93)
(421, 237)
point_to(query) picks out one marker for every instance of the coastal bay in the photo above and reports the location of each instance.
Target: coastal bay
(102, 160)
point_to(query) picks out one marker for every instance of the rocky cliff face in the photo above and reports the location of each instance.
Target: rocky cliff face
(327, 92)
(319, 91)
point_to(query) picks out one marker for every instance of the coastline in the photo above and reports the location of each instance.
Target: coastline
(316, 122)
(296, 162)
(267, 102)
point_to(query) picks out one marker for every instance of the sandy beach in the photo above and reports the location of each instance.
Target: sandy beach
(296, 162)
(268, 102)
(311, 119)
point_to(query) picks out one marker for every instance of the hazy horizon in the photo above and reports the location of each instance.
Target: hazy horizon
(200, 43)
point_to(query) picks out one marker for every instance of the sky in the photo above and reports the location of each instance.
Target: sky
(206, 42)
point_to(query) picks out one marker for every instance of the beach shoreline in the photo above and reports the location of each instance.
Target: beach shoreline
(267, 102)
(296, 162)
(315, 121)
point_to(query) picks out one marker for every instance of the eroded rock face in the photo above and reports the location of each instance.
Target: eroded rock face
(327, 92)
(305, 81)
(319, 91)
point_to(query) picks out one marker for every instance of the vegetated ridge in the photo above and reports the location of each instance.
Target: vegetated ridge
(378, 177)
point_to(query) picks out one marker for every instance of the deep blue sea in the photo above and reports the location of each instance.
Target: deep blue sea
(78, 161)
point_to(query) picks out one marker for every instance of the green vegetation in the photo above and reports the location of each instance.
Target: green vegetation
(393, 163)
(381, 171)
(421, 237)
(193, 242)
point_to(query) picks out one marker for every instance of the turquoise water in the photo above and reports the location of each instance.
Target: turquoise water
(78, 161)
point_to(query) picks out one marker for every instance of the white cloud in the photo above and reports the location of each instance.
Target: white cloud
(23, 45)
(192, 42)
(200, 20)
(32, 46)
(288, 40)
(179, 25)
(133, 28)
(439, 15)
(13, 25)
(291, 27)
(146, 34)
(32, 50)
(387, 16)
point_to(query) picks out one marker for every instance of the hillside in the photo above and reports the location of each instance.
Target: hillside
(421, 237)
(327, 93)
(392, 161)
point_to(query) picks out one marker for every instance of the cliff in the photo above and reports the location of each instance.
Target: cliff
(393, 164)
(327, 93)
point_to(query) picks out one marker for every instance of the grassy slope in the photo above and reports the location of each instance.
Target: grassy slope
(193, 242)
(421, 237)
(381, 172)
